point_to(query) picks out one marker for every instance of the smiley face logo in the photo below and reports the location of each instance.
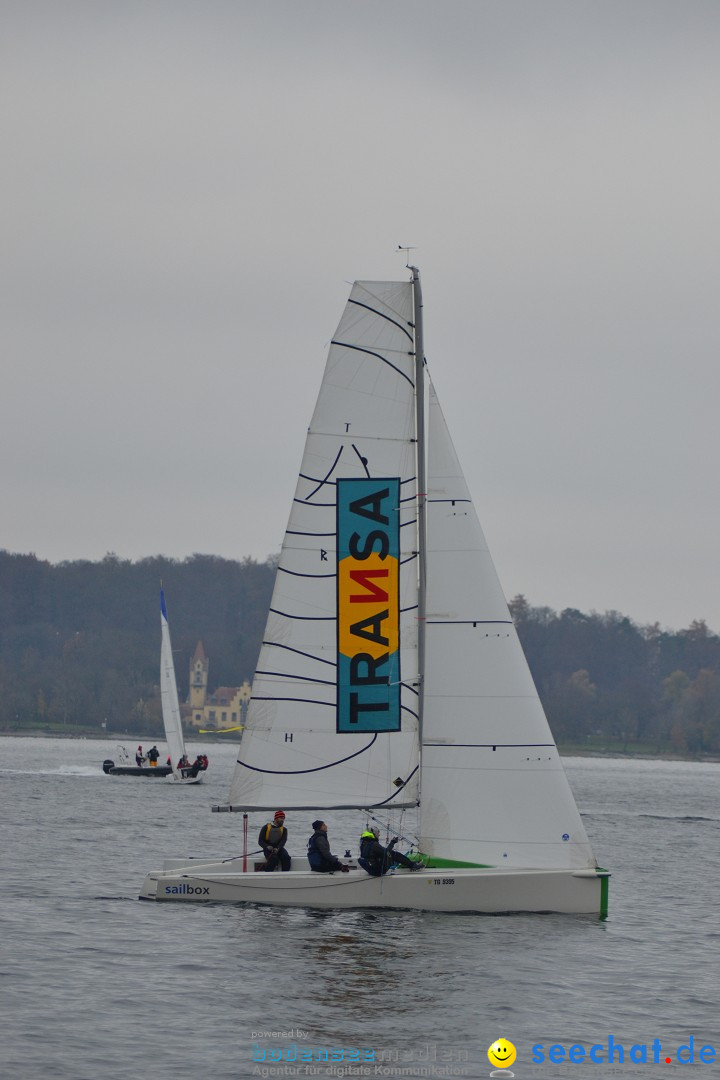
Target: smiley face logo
(502, 1053)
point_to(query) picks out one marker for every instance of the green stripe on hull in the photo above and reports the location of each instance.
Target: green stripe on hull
(604, 893)
(446, 864)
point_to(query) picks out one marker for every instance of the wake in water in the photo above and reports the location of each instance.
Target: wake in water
(677, 817)
(60, 770)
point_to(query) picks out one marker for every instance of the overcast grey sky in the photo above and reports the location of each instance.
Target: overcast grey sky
(187, 188)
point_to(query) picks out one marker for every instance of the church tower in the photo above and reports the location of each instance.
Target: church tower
(198, 678)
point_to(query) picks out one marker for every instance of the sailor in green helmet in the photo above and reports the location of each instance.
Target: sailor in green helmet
(376, 859)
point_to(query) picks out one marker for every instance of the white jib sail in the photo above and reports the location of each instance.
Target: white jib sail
(314, 738)
(493, 789)
(169, 694)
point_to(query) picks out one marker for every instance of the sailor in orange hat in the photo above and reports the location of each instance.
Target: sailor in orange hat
(272, 839)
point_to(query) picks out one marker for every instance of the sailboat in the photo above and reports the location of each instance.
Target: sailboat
(391, 679)
(172, 722)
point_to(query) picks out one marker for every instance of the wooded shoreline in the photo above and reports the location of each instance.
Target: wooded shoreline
(80, 641)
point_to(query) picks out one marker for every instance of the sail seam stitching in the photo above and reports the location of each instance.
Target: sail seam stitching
(319, 768)
(485, 746)
(324, 480)
(289, 675)
(470, 622)
(320, 659)
(369, 352)
(297, 573)
(308, 618)
(382, 315)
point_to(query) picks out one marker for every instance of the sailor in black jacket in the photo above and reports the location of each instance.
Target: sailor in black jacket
(376, 859)
(321, 859)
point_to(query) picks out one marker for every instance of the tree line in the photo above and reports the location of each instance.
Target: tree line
(604, 680)
(80, 641)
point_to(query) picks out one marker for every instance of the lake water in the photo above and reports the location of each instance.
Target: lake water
(96, 984)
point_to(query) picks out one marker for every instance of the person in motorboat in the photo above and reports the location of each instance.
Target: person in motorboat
(153, 755)
(139, 757)
(272, 839)
(321, 859)
(376, 859)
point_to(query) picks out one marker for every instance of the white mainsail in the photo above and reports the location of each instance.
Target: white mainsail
(169, 695)
(361, 438)
(493, 789)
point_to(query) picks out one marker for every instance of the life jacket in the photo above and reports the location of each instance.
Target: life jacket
(273, 834)
(367, 839)
(315, 857)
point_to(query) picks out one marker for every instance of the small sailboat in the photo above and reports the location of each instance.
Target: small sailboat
(391, 679)
(181, 771)
(178, 769)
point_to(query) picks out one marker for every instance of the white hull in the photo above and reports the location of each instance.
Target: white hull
(487, 891)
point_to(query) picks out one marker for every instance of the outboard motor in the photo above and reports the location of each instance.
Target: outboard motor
(108, 765)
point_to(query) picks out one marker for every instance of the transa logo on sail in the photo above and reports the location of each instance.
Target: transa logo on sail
(368, 605)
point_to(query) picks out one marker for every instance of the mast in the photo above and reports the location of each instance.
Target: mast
(422, 485)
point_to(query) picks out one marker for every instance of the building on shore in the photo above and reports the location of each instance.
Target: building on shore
(220, 711)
